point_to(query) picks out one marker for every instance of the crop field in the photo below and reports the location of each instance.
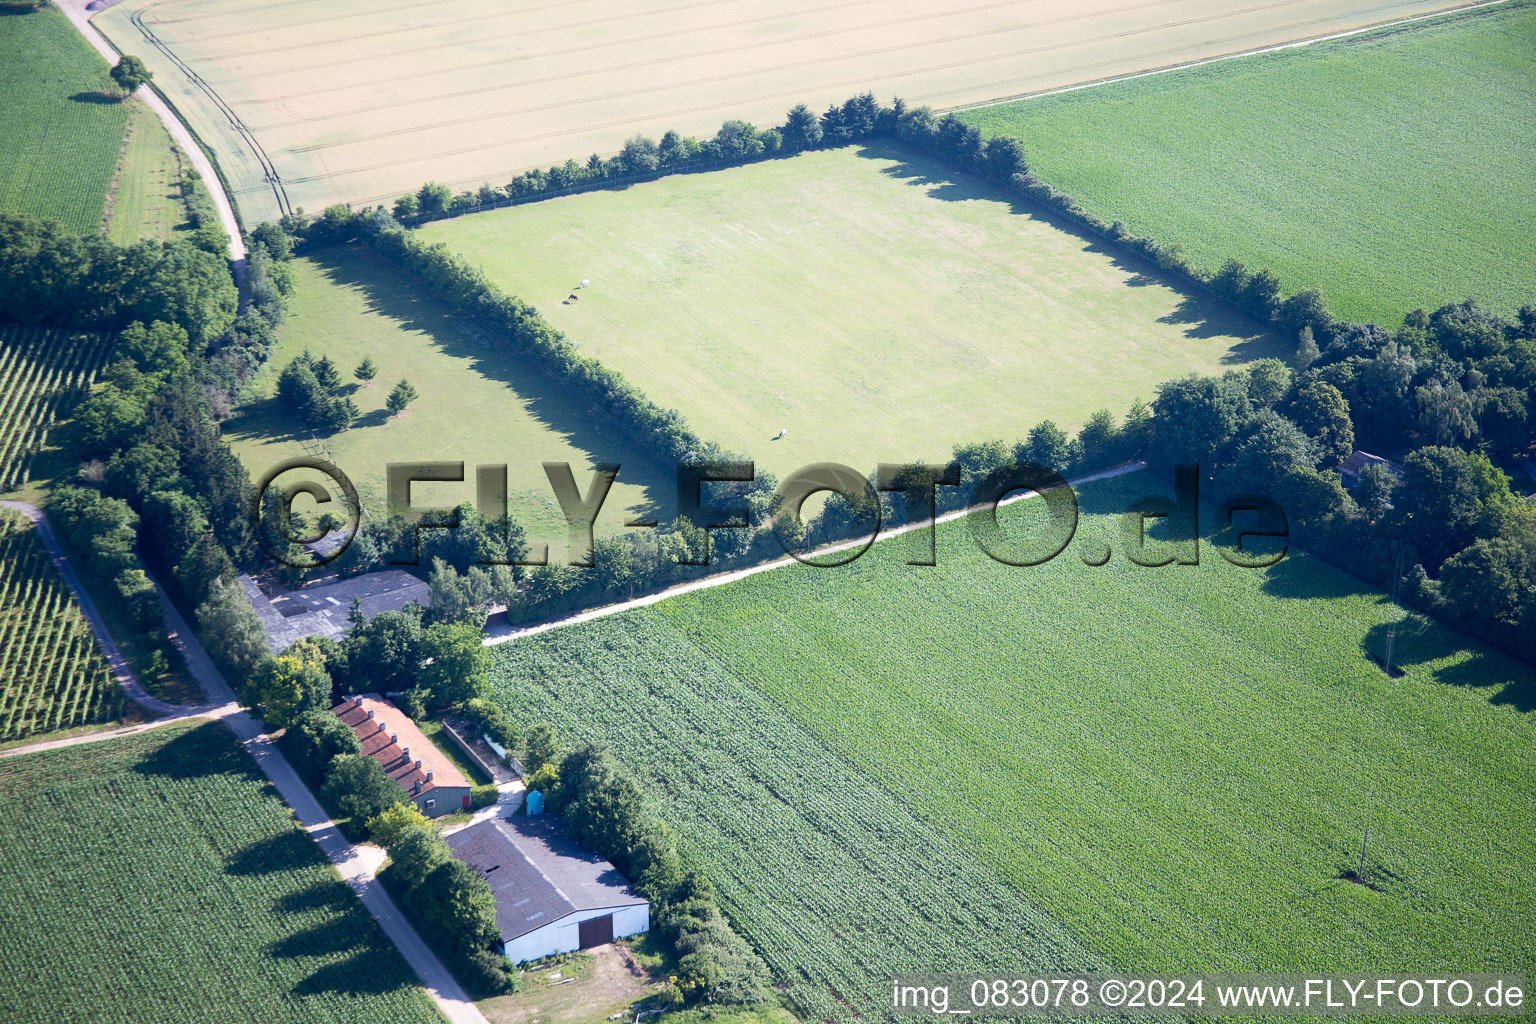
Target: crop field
(358, 102)
(863, 299)
(146, 197)
(159, 878)
(43, 373)
(478, 403)
(55, 675)
(59, 132)
(1389, 171)
(890, 767)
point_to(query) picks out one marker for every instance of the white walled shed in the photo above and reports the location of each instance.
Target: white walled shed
(552, 895)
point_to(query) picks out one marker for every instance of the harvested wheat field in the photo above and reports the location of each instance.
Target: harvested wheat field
(308, 104)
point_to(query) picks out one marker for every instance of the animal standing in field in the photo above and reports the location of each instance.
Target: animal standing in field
(781, 433)
(570, 298)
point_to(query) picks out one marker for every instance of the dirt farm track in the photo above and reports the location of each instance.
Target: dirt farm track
(307, 104)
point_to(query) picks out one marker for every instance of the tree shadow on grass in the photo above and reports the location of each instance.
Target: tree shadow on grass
(1304, 578)
(337, 934)
(329, 895)
(198, 753)
(289, 850)
(393, 294)
(96, 96)
(1419, 640)
(368, 972)
(1202, 316)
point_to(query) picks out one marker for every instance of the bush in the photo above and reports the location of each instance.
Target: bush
(357, 787)
(484, 796)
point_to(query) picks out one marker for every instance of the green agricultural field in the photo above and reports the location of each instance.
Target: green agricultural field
(60, 131)
(43, 373)
(1390, 171)
(146, 195)
(892, 768)
(55, 676)
(862, 299)
(158, 878)
(478, 404)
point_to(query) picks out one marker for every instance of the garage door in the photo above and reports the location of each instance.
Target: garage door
(596, 932)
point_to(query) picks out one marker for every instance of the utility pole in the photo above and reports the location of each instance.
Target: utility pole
(1397, 575)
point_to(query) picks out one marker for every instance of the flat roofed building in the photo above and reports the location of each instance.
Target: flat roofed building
(552, 894)
(431, 781)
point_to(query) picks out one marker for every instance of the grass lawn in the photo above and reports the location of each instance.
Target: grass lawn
(479, 404)
(893, 768)
(158, 878)
(146, 197)
(862, 298)
(60, 131)
(433, 730)
(1389, 171)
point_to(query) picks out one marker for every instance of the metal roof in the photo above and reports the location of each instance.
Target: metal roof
(537, 873)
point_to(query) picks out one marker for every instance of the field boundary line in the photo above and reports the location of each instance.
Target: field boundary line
(1294, 44)
(505, 634)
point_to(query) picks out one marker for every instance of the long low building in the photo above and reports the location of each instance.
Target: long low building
(431, 781)
(552, 895)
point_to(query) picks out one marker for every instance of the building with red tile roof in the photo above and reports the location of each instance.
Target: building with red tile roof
(431, 781)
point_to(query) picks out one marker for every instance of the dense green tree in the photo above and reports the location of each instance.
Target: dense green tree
(1268, 382)
(458, 664)
(231, 630)
(1373, 490)
(1047, 445)
(801, 130)
(313, 739)
(285, 687)
(1445, 411)
(456, 901)
(403, 395)
(433, 197)
(415, 854)
(1270, 445)
(129, 73)
(541, 746)
(640, 155)
(366, 371)
(1320, 409)
(359, 788)
(1099, 440)
(1197, 417)
(384, 653)
(1307, 351)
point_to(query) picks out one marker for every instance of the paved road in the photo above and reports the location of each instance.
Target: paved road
(357, 868)
(504, 634)
(75, 11)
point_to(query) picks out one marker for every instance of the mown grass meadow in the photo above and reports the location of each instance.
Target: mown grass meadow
(159, 878)
(891, 767)
(1390, 171)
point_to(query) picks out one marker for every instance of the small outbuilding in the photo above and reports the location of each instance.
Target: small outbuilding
(552, 895)
(1351, 467)
(431, 781)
